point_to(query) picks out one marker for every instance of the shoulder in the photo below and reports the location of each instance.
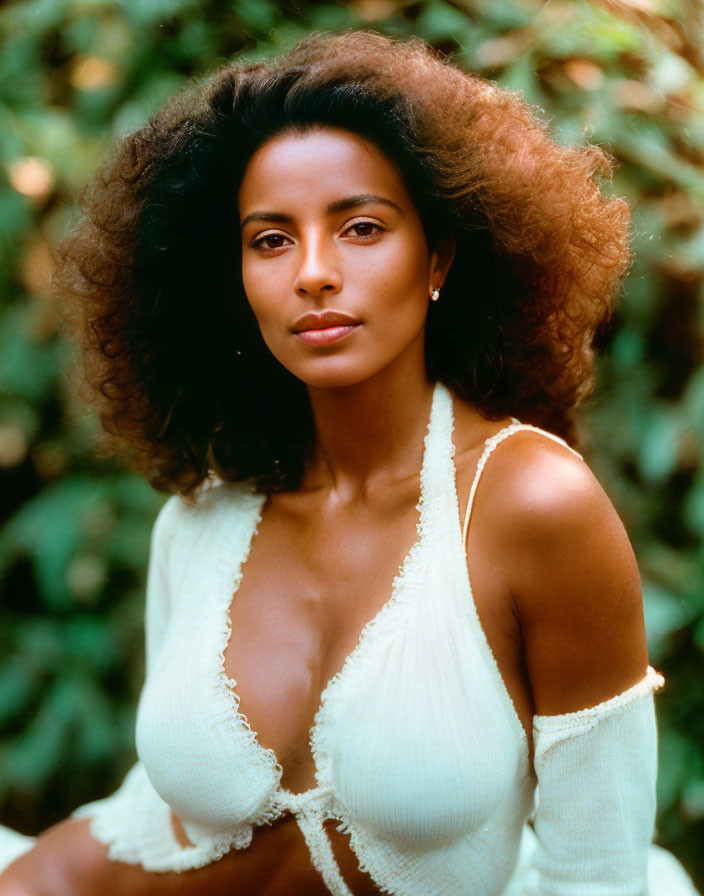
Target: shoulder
(183, 523)
(543, 490)
(213, 496)
(570, 569)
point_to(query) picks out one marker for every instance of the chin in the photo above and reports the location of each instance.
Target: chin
(331, 374)
(332, 380)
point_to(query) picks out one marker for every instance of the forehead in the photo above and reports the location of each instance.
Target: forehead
(317, 166)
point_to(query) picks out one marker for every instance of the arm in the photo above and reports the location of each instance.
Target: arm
(595, 812)
(67, 860)
(574, 581)
(576, 591)
(134, 823)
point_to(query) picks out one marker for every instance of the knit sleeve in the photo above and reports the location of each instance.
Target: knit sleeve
(134, 822)
(595, 808)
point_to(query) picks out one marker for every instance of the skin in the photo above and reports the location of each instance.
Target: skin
(553, 575)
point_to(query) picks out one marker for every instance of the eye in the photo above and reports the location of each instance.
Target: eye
(364, 229)
(268, 241)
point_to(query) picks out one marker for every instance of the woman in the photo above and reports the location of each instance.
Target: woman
(316, 296)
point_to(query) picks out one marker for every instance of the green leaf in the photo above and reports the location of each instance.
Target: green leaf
(521, 76)
(17, 687)
(503, 15)
(675, 756)
(694, 506)
(15, 223)
(660, 445)
(590, 32)
(627, 349)
(330, 17)
(670, 71)
(50, 530)
(142, 13)
(11, 146)
(439, 21)
(153, 92)
(646, 144)
(693, 403)
(665, 614)
(34, 17)
(27, 368)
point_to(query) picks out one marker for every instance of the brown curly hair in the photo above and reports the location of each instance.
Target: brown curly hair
(151, 272)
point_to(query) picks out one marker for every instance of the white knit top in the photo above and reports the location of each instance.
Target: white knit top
(419, 752)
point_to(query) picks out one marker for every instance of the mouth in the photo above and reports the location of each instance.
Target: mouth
(326, 335)
(325, 327)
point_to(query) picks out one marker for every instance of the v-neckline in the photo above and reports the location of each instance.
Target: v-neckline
(397, 588)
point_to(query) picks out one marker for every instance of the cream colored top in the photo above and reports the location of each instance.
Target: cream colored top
(419, 752)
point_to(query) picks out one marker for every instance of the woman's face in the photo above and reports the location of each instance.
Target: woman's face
(334, 259)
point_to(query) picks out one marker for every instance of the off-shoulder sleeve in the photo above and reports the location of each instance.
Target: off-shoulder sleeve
(12, 846)
(134, 823)
(595, 804)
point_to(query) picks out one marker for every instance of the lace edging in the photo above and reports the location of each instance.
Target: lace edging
(651, 681)
(346, 826)
(226, 687)
(369, 634)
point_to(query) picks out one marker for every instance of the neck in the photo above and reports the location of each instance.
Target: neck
(370, 430)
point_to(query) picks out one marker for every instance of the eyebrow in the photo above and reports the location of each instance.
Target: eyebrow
(339, 205)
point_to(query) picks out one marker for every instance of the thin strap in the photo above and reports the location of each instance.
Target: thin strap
(310, 822)
(489, 445)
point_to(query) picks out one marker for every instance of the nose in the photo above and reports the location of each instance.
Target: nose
(318, 273)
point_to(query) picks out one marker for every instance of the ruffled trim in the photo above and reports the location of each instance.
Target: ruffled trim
(371, 633)
(310, 821)
(482, 639)
(136, 826)
(651, 681)
(370, 863)
(12, 846)
(225, 688)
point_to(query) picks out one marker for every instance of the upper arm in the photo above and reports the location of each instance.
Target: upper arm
(573, 578)
(159, 574)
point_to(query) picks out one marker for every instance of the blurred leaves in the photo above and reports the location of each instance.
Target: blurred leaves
(74, 531)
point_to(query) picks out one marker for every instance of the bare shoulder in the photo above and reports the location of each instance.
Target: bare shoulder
(570, 569)
(546, 491)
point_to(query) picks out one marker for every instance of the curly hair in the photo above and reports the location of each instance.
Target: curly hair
(151, 272)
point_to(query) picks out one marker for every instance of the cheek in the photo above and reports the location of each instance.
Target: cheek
(404, 260)
(398, 279)
(396, 269)
(262, 293)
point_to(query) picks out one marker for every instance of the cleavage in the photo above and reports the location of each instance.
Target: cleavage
(312, 581)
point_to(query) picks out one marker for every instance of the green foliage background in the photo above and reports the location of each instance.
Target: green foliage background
(74, 529)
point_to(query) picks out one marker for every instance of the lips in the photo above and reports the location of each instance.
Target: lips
(324, 328)
(321, 320)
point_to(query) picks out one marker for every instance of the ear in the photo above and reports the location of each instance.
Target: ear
(441, 259)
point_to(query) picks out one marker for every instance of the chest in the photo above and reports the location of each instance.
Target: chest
(301, 668)
(315, 576)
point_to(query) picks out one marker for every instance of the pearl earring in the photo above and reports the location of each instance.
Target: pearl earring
(436, 295)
